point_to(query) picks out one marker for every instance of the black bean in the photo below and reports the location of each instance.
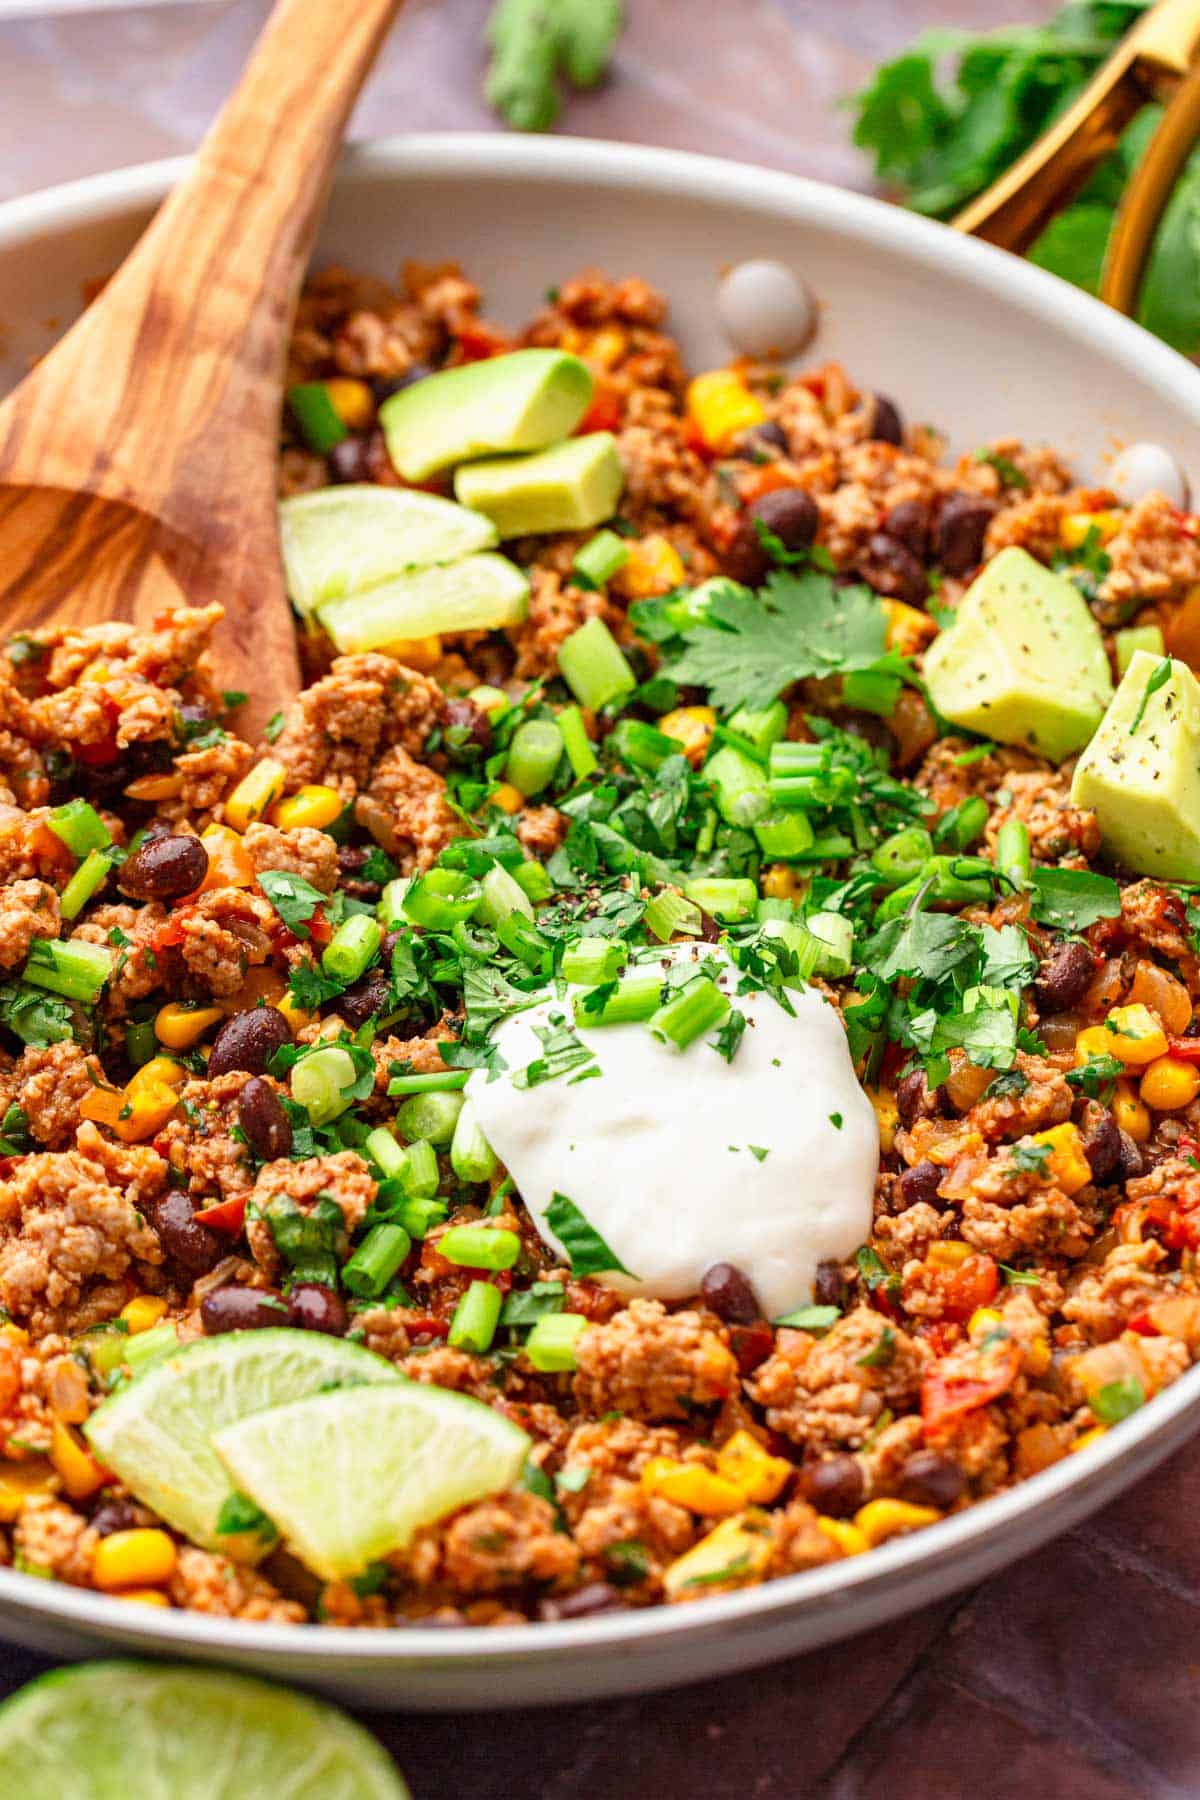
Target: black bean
(467, 727)
(929, 1479)
(1063, 977)
(745, 559)
(241, 1309)
(118, 1515)
(164, 867)
(584, 1603)
(730, 1295)
(790, 514)
(1101, 1141)
(891, 569)
(760, 438)
(921, 1182)
(193, 714)
(314, 1307)
(909, 521)
(350, 460)
(887, 427)
(351, 859)
(193, 1246)
(248, 1041)
(913, 1098)
(828, 1287)
(383, 386)
(834, 1486)
(961, 528)
(264, 1121)
(365, 999)
(1132, 1162)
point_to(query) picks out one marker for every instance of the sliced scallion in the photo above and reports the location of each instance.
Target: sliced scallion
(471, 1156)
(502, 894)
(430, 1116)
(479, 1247)
(730, 898)
(73, 968)
(80, 827)
(599, 559)
(576, 742)
(689, 1011)
(475, 1318)
(376, 1260)
(320, 1082)
(591, 960)
(87, 880)
(352, 948)
(632, 999)
(438, 899)
(420, 1176)
(533, 755)
(594, 666)
(550, 1346)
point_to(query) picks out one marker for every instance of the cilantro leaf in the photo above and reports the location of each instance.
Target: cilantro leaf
(533, 43)
(752, 646)
(294, 899)
(1158, 677)
(562, 1053)
(728, 1036)
(34, 1016)
(309, 987)
(1007, 959)
(1073, 899)
(586, 1250)
(931, 945)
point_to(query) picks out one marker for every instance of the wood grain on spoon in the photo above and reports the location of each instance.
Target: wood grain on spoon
(137, 461)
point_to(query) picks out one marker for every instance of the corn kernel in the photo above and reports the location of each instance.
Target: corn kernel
(1168, 1084)
(143, 1312)
(144, 1597)
(296, 1016)
(984, 1320)
(781, 882)
(759, 1476)
(18, 1481)
(14, 1334)
(691, 1485)
(179, 1027)
(1067, 1166)
(848, 1538)
(95, 675)
(1089, 1437)
(313, 805)
(76, 1468)
(508, 798)
(879, 1520)
(721, 407)
(1092, 1041)
(908, 629)
(887, 1113)
(142, 1557)
(1131, 1113)
(951, 1254)
(733, 1553)
(155, 787)
(263, 984)
(102, 1105)
(692, 729)
(605, 347)
(1038, 1356)
(1073, 532)
(144, 1111)
(422, 653)
(1135, 1035)
(654, 566)
(352, 401)
(255, 793)
(159, 1070)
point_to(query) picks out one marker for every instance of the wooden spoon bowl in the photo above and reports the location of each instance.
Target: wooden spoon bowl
(137, 460)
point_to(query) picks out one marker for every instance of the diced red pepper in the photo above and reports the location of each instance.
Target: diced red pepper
(227, 1216)
(425, 1325)
(477, 342)
(97, 756)
(1186, 1049)
(960, 1383)
(972, 1284)
(170, 933)
(1142, 1323)
(604, 414)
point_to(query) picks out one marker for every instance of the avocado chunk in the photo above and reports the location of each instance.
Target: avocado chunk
(1141, 775)
(337, 540)
(480, 593)
(1023, 662)
(565, 488)
(521, 401)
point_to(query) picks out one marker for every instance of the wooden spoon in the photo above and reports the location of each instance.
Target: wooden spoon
(137, 460)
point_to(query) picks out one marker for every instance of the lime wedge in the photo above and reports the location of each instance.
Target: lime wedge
(340, 539)
(480, 593)
(105, 1731)
(155, 1433)
(348, 1477)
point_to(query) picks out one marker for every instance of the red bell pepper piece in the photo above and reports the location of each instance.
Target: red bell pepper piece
(967, 1379)
(227, 1216)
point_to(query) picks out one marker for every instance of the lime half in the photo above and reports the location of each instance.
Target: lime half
(106, 1731)
(155, 1434)
(348, 1477)
(338, 540)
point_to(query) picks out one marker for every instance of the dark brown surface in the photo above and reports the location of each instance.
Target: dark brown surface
(1072, 1676)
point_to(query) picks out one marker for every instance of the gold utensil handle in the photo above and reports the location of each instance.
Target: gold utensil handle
(1160, 56)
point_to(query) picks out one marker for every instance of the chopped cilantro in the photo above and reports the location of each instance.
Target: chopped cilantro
(586, 1250)
(1073, 899)
(1158, 678)
(273, 729)
(294, 899)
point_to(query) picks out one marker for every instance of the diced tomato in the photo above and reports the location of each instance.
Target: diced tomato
(477, 342)
(227, 1216)
(1142, 1323)
(1186, 1050)
(604, 414)
(972, 1284)
(967, 1379)
(425, 1325)
(939, 1334)
(97, 756)
(170, 933)
(765, 480)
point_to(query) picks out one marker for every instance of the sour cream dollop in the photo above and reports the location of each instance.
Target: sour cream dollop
(662, 1152)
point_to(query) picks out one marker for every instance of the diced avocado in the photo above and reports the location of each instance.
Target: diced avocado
(480, 593)
(337, 540)
(566, 488)
(1133, 638)
(1023, 662)
(521, 401)
(1141, 775)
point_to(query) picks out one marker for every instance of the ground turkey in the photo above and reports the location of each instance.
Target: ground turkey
(821, 1393)
(652, 1364)
(28, 910)
(302, 851)
(495, 1544)
(404, 808)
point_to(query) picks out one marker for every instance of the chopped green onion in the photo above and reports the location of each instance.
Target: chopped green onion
(321, 1083)
(670, 913)
(388, 1156)
(550, 1346)
(835, 933)
(599, 559)
(871, 691)
(420, 1176)
(376, 1260)
(689, 1011)
(145, 1347)
(80, 827)
(87, 880)
(902, 856)
(760, 726)
(533, 878)
(471, 1156)
(626, 1002)
(390, 911)
(74, 968)
(430, 1116)
(475, 1318)
(642, 746)
(533, 755)
(522, 937)
(477, 855)
(594, 666)
(352, 948)
(739, 786)
(491, 700)
(962, 824)
(729, 898)
(437, 1081)
(140, 1042)
(502, 894)
(316, 416)
(438, 899)
(479, 1247)
(418, 1214)
(785, 833)
(810, 1318)
(1014, 855)
(592, 960)
(104, 1346)
(769, 908)
(804, 945)
(576, 742)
